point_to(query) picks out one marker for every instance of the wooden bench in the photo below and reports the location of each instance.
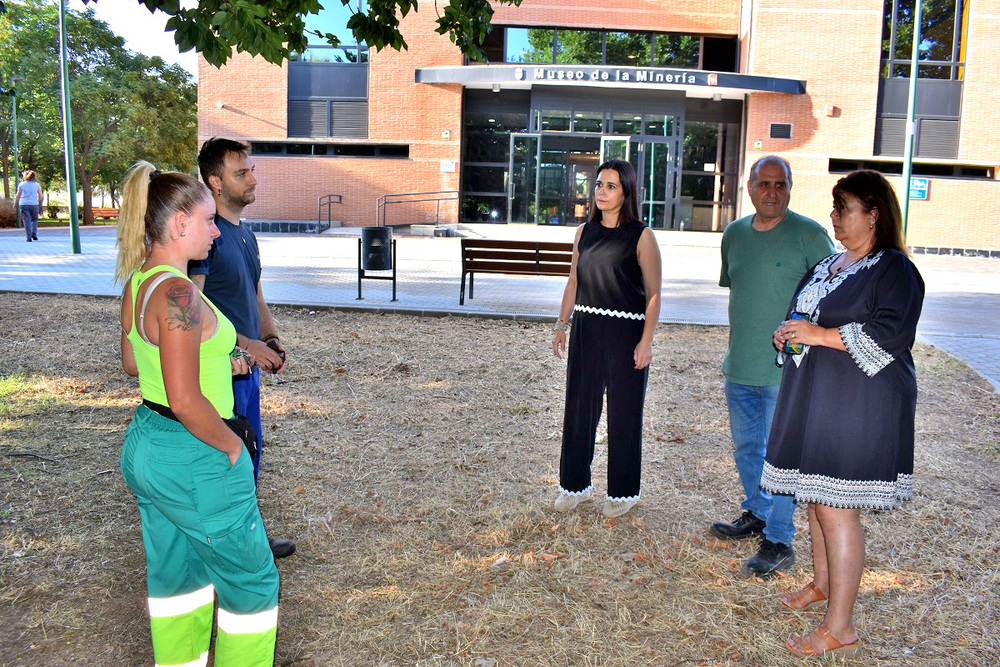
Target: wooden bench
(531, 258)
(104, 213)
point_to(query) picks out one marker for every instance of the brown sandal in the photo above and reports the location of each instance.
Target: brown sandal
(803, 645)
(807, 598)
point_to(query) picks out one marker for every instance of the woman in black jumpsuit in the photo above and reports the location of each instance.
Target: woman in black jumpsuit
(613, 295)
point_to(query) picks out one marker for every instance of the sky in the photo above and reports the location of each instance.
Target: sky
(143, 32)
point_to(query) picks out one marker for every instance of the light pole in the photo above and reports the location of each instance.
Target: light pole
(911, 106)
(67, 118)
(14, 80)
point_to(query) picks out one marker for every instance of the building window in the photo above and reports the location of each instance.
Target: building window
(333, 20)
(489, 120)
(940, 72)
(268, 148)
(942, 51)
(328, 85)
(567, 46)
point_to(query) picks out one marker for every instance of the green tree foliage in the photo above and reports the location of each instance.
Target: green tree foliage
(273, 29)
(125, 106)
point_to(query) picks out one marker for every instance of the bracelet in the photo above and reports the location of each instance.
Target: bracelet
(560, 327)
(269, 337)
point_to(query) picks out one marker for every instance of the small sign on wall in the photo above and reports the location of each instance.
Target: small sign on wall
(448, 166)
(758, 144)
(445, 135)
(920, 189)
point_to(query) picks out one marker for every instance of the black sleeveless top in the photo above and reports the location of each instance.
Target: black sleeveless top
(608, 276)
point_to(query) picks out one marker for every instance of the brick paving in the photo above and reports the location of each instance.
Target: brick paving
(961, 309)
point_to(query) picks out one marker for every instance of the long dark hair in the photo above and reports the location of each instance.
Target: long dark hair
(875, 193)
(629, 214)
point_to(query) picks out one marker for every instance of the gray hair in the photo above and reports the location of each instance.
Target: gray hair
(770, 159)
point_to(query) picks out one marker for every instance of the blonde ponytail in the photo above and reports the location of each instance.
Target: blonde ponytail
(133, 244)
(149, 199)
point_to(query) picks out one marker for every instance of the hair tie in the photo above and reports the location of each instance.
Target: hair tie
(156, 172)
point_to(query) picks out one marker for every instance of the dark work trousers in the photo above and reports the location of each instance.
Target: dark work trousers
(600, 358)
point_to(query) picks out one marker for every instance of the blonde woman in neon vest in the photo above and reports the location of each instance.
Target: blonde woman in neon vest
(189, 471)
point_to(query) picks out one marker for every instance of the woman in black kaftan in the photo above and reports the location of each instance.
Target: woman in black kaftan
(842, 435)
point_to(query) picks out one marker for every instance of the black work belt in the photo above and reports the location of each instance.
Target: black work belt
(161, 410)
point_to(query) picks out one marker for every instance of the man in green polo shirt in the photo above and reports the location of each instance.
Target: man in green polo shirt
(764, 256)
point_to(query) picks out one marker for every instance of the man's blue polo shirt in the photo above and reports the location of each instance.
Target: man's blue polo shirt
(232, 272)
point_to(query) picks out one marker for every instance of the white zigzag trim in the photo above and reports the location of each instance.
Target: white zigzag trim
(867, 354)
(586, 491)
(634, 498)
(610, 313)
(835, 492)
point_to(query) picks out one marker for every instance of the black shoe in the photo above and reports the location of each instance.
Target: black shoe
(770, 558)
(34, 238)
(281, 548)
(29, 240)
(746, 526)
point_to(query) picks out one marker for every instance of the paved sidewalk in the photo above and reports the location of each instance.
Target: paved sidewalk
(961, 308)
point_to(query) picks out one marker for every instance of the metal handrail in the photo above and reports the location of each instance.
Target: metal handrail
(436, 196)
(328, 201)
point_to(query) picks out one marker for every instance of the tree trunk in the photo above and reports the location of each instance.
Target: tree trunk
(5, 163)
(88, 200)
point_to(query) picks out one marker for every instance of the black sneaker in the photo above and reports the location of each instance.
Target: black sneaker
(746, 526)
(770, 558)
(281, 548)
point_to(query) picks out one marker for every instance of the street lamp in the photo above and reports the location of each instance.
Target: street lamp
(14, 80)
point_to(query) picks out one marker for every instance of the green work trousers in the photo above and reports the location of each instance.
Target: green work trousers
(203, 537)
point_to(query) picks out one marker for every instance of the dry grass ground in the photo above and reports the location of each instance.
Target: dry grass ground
(414, 461)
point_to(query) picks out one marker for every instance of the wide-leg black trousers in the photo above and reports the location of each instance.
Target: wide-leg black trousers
(601, 349)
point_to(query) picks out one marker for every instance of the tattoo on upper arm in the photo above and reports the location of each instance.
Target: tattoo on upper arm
(183, 308)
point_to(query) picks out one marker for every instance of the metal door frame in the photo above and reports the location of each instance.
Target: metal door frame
(514, 136)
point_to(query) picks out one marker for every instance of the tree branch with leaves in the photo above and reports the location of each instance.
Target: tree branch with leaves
(274, 29)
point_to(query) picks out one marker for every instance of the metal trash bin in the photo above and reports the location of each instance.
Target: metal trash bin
(376, 248)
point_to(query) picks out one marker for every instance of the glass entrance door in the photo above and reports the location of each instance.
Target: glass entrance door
(656, 164)
(522, 186)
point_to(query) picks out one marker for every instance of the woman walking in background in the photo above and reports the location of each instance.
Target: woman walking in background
(842, 435)
(613, 296)
(201, 528)
(27, 202)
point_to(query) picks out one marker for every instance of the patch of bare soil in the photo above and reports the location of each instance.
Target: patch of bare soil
(414, 460)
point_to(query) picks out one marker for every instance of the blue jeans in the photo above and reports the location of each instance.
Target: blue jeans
(246, 395)
(750, 412)
(28, 215)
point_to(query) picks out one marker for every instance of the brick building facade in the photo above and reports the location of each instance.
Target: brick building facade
(691, 92)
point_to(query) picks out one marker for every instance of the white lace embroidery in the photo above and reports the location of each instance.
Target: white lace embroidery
(867, 354)
(819, 287)
(610, 313)
(564, 492)
(835, 492)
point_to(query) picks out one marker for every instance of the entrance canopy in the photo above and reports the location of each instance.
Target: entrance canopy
(695, 83)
